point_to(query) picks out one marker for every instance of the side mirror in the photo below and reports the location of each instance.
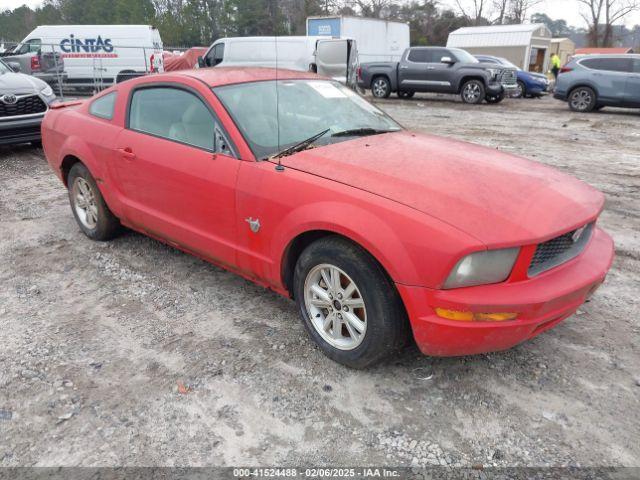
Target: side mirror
(447, 60)
(201, 63)
(15, 66)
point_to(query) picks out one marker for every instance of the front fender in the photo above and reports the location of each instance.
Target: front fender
(360, 225)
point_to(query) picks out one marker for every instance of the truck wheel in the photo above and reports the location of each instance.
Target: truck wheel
(582, 99)
(473, 92)
(381, 87)
(403, 94)
(495, 98)
(348, 304)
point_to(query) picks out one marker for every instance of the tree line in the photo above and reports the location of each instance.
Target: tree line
(199, 22)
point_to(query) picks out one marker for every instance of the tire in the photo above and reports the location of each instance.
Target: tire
(381, 87)
(473, 92)
(494, 99)
(521, 92)
(95, 220)
(382, 326)
(406, 95)
(582, 99)
(36, 143)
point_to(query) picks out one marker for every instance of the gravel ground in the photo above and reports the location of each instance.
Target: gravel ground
(132, 353)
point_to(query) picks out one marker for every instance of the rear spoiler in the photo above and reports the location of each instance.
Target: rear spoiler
(71, 103)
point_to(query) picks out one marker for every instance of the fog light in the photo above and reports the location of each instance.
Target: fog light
(478, 317)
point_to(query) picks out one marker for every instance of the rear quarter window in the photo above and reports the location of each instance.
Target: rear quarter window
(103, 107)
(609, 64)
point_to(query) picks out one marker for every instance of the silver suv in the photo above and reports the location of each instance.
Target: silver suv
(592, 82)
(23, 102)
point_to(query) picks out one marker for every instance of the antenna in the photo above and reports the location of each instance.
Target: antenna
(279, 167)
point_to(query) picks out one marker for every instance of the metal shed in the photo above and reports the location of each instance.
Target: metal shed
(526, 45)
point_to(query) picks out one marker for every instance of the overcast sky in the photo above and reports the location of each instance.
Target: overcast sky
(556, 9)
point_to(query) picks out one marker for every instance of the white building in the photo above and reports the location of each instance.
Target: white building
(526, 45)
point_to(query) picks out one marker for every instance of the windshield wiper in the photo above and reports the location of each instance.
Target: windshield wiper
(298, 147)
(355, 132)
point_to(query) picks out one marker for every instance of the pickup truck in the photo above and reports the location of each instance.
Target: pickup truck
(439, 70)
(32, 59)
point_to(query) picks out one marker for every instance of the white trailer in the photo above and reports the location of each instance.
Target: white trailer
(378, 40)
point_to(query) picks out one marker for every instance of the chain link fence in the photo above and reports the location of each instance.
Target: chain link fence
(75, 70)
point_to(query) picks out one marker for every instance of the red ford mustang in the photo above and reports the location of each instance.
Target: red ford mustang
(302, 186)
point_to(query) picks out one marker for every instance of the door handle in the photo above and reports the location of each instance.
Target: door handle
(403, 67)
(431, 68)
(127, 153)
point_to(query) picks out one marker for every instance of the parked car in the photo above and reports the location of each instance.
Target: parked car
(440, 70)
(301, 185)
(596, 81)
(23, 103)
(336, 58)
(530, 84)
(29, 57)
(98, 55)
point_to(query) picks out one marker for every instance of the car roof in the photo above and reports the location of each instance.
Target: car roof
(218, 76)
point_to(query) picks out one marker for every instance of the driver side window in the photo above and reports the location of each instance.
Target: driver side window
(215, 55)
(176, 115)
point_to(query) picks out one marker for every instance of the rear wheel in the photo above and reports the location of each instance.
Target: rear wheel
(473, 92)
(89, 208)
(348, 304)
(381, 87)
(582, 99)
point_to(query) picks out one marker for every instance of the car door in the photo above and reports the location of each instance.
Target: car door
(176, 171)
(413, 70)
(609, 75)
(438, 72)
(632, 91)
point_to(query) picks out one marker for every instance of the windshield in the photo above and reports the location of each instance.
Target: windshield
(507, 63)
(463, 56)
(4, 68)
(298, 110)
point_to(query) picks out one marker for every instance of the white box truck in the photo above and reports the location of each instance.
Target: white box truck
(99, 54)
(378, 40)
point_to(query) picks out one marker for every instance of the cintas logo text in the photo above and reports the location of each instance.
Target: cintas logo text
(89, 45)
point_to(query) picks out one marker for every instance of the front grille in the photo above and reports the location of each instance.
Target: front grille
(509, 77)
(24, 106)
(559, 250)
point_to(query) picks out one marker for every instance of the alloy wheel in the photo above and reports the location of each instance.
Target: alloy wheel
(335, 306)
(84, 203)
(581, 100)
(379, 88)
(472, 92)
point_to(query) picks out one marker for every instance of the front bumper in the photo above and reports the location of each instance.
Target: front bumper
(497, 88)
(541, 303)
(20, 130)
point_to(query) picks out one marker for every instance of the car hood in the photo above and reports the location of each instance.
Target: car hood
(500, 199)
(19, 83)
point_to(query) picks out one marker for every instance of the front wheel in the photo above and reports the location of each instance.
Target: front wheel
(348, 304)
(381, 87)
(582, 99)
(473, 92)
(89, 208)
(520, 91)
(495, 98)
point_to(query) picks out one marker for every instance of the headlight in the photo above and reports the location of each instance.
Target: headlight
(47, 91)
(481, 268)
(494, 73)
